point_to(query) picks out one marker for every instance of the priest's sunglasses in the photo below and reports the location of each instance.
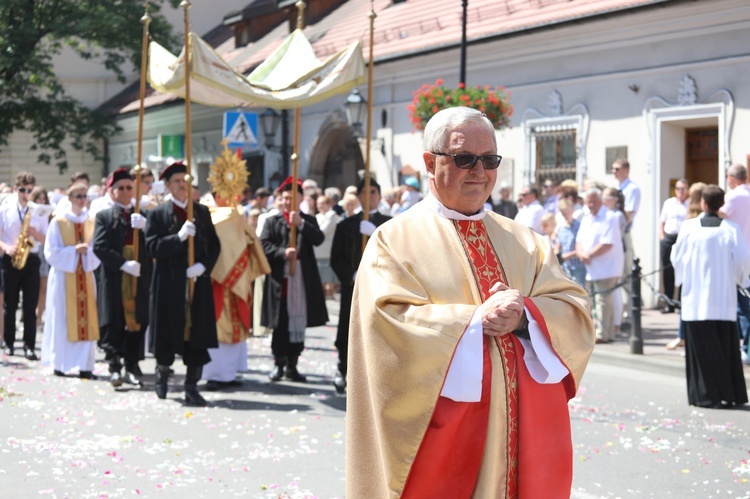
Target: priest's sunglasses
(469, 161)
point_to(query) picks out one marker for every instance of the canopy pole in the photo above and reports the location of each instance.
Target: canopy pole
(185, 4)
(295, 147)
(146, 20)
(368, 139)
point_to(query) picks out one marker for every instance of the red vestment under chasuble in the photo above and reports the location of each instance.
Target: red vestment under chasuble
(240, 262)
(422, 276)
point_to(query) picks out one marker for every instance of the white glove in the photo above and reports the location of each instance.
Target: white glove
(137, 221)
(366, 227)
(187, 229)
(131, 267)
(195, 270)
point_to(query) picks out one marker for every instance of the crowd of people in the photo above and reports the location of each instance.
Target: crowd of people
(90, 271)
(94, 271)
(704, 270)
(494, 327)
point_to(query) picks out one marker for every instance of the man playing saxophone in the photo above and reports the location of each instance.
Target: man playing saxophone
(21, 263)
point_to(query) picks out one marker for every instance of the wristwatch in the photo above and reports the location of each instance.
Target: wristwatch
(523, 328)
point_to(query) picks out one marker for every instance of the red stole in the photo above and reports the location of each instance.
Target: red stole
(450, 455)
(180, 212)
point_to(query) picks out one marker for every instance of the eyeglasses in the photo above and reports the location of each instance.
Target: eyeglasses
(616, 169)
(78, 196)
(680, 188)
(25, 190)
(468, 161)
(524, 194)
(124, 187)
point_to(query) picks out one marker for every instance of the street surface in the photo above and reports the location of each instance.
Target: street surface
(634, 434)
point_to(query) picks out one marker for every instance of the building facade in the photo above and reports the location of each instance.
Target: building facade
(661, 83)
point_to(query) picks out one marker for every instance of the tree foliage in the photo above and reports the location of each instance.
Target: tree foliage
(33, 33)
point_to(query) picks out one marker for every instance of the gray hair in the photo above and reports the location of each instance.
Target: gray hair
(593, 191)
(437, 132)
(334, 193)
(738, 171)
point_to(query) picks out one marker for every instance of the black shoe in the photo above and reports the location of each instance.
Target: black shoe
(137, 370)
(162, 378)
(276, 374)
(8, 351)
(58, 373)
(86, 375)
(193, 396)
(115, 379)
(131, 379)
(212, 385)
(292, 374)
(339, 382)
(29, 354)
(667, 310)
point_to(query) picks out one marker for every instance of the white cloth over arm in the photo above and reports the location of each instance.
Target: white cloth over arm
(463, 383)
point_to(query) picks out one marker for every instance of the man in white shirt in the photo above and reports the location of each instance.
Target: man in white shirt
(673, 213)
(549, 192)
(710, 259)
(26, 279)
(598, 247)
(531, 213)
(736, 209)
(632, 194)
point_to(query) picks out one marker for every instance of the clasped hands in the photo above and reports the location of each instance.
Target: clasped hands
(502, 312)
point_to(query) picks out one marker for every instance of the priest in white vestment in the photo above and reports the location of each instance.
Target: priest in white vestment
(71, 328)
(466, 341)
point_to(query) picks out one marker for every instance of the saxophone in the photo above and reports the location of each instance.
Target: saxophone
(23, 244)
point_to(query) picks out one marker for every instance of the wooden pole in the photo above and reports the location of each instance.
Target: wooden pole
(146, 20)
(295, 147)
(185, 4)
(368, 139)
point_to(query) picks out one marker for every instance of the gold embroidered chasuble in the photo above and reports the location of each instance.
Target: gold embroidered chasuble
(240, 262)
(414, 297)
(80, 292)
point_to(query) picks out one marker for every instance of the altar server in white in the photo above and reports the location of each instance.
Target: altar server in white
(72, 327)
(710, 260)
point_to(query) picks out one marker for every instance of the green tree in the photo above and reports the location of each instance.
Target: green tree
(33, 32)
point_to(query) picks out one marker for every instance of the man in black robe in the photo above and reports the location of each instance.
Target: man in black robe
(710, 259)
(180, 327)
(291, 302)
(123, 319)
(346, 252)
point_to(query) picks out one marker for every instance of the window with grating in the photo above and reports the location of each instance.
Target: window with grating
(555, 155)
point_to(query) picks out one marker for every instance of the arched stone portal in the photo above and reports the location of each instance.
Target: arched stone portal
(336, 157)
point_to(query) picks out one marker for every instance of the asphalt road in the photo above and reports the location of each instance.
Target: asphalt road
(634, 435)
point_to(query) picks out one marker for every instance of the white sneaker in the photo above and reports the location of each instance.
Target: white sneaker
(745, 358)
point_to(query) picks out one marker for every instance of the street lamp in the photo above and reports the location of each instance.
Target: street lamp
(356, 109)
(269, 123)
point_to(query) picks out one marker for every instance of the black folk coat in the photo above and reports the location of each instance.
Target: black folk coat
(346, 253)
(168, 285)
(110, 232)
(275, 240)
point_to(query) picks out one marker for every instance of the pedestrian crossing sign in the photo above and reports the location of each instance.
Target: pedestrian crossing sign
(241, 129)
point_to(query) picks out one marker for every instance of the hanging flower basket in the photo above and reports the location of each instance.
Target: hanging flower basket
(430, 99)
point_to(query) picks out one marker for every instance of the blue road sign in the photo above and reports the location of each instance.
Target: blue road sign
(241, 128)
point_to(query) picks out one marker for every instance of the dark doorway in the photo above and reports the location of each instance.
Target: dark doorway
(343, 161)
(702, 155)
(255, 165)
